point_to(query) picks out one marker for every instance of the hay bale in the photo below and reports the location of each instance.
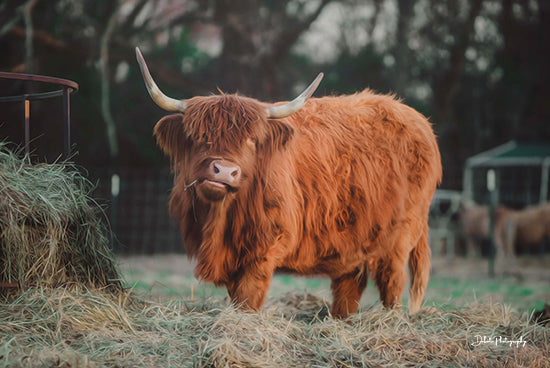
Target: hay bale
(50, 229)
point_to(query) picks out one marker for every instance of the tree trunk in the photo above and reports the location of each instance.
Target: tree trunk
(401, 49)
(446, 85)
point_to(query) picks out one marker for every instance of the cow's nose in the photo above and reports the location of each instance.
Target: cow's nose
(225, 173)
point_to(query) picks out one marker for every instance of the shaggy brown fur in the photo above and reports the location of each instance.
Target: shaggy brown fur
(341, 187)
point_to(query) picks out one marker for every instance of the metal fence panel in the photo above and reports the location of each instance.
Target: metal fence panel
(139, 215)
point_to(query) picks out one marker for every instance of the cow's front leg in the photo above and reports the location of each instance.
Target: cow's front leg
(248, 288)
(346, 292)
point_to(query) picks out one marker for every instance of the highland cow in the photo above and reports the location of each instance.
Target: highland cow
(338, 185)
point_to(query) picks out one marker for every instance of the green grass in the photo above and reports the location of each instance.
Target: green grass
(522, 295)
(442, 292)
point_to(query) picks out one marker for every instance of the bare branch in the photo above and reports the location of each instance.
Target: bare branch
(175, 79)
(9, 25)
(292, 32)
(39, 36)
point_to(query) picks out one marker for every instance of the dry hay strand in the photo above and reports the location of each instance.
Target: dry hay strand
(77, 327)
(51, 232)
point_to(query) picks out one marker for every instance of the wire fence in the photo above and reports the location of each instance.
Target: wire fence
(136, 203)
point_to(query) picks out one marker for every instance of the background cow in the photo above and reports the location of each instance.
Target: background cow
(526, 228)
(474, 227)
(326, 187)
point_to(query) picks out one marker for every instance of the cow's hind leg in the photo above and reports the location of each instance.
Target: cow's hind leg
(346, 292)
(390, 276)
(419, 269)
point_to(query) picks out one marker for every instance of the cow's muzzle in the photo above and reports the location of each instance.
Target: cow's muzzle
(221, 177)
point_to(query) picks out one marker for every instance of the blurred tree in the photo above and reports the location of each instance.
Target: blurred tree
(523, 60)
(402, 51)
(446, 82)
(477, 67)
(451, 30)
(93, 42)
(256, 37)
(498, 88)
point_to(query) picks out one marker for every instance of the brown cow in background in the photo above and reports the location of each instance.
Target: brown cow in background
(474, 227)
(526, 228)
(326, 187)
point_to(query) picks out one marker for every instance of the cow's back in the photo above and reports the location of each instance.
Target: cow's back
(533, 223)
(361, 163)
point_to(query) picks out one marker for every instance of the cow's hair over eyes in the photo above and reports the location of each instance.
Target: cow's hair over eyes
(223, 123)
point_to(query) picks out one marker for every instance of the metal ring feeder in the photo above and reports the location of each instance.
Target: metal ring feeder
(67, 87)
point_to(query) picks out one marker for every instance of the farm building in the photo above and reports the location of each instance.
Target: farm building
(522, 174)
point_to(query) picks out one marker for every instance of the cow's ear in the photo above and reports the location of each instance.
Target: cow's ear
(281, 132)
(170, 134)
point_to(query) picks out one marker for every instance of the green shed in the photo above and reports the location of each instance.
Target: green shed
(521, 170)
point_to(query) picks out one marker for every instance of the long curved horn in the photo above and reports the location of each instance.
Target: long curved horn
(282, 111)
(165, 102)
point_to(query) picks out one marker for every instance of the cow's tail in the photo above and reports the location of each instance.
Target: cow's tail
(419, 269)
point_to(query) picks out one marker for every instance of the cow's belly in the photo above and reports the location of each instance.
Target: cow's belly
(333, 265)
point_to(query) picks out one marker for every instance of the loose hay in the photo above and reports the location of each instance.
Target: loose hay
(87, 328)
(50, 229)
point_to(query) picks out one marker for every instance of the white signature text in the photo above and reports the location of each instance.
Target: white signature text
(499, 340)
